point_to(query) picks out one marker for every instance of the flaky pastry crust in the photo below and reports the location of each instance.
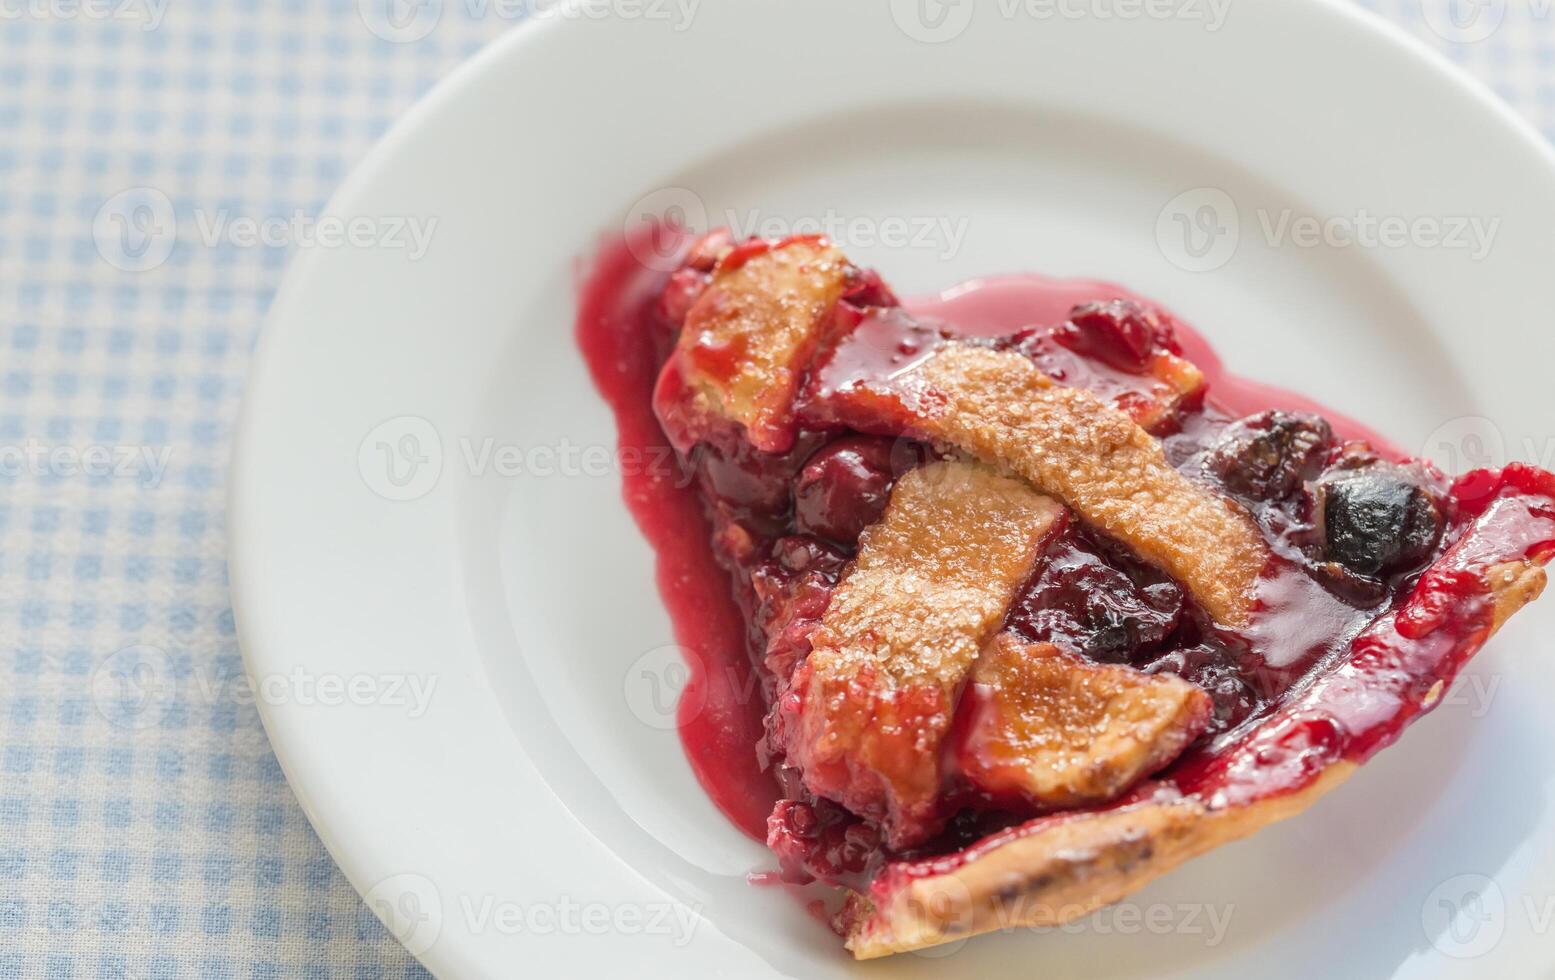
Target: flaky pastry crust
(1058, 731)
(999, 407)
(929, 589)
(1064, 867)
(749, 337)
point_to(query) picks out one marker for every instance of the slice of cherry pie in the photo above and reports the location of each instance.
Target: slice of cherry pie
(1031, 619)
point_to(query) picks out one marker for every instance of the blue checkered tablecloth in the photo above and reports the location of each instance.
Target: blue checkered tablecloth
(162, 841)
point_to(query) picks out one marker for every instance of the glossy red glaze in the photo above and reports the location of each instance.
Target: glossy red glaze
(1001, 305)
(1382, 660)
(619, 332)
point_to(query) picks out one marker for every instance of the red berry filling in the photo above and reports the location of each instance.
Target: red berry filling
(1368, 573)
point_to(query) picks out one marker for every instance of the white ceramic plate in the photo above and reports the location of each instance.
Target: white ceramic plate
(535, 815)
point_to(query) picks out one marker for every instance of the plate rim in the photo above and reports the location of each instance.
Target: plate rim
(265, 367)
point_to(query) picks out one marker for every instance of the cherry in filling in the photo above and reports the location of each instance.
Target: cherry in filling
(1361, 540)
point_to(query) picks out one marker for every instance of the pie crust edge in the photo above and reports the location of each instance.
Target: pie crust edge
(1080, 863)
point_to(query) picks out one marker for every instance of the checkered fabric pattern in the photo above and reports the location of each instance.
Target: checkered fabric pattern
(145, 827)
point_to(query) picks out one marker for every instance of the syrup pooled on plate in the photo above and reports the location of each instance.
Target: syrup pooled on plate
(1379, 576)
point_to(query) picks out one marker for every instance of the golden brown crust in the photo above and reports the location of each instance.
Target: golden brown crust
(749, 337)
(1060, 731)
(1072, 864)
(1515, 584)
(1066, 869)
(997, 406)
(933, 581)
(929, 588)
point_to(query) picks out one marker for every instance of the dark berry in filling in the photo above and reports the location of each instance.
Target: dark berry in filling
(1091, 599)
(843, 488)
(1378, 520)
(752, 487)
(785, 526)
(1269, 456)
(1238, 683)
